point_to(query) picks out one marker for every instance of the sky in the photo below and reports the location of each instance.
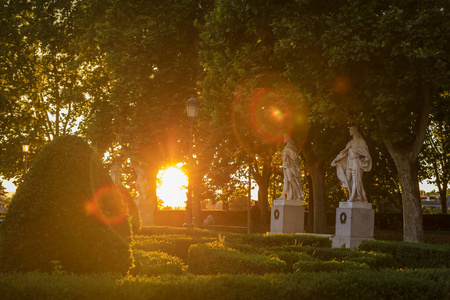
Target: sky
(10, 187)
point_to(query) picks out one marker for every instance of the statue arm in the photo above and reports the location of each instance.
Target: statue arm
(342, 155)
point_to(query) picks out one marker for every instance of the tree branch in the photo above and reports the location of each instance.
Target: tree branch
(66, 121)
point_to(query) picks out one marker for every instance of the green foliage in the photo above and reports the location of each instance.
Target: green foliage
(45, 79)
(2, 190)
(395, 54)
(374, 260)
(435, 156)
(259, 240)
(169, 230)
(149, 49)
(359, 284)
(66, 210)
(155, 263)
(215, 258)
(133, 211)
(177, 245)
(290, 258)
(316, 265)
(411, 255)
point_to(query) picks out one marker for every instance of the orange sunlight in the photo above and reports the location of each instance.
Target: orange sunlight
(172, 187)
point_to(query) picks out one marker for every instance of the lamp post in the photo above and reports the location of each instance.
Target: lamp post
(192, 109)
(25, 150)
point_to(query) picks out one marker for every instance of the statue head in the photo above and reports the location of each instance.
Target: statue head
(353, 130)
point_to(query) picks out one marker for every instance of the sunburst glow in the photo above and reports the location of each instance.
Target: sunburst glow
(172, 188)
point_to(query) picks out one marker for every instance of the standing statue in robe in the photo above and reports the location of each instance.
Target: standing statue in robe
(115, 171)
(292, 181)
(141, 183)
(350, 165)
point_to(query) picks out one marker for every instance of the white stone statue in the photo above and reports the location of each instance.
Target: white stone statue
(350, 165)
(292, 181)
(141, 182)
(115, 172)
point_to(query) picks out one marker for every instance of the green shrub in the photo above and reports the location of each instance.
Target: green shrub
(156, 263)
(246, 248)
(303, 262)
(411, 255)
(316, 265)
(266, 240)
(133, 211)
(214, 258)
(359, 284)
(176, 245)
(66, 210)
(170, 230)
(290, 258)
(375, 260)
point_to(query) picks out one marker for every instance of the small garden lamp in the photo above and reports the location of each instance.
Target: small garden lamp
(25, 150)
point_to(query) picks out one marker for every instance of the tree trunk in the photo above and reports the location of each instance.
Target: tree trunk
(412, 212)
(263, 193)
(310, 221)
(263, 200)
(317, 172)
(443, 198)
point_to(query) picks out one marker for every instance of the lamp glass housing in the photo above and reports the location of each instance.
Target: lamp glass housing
(25, 146)
(192, 107)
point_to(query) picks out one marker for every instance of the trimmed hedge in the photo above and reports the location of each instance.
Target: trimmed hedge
(290, 258)
(157, 263)
(411, 255)
(266, 240)
(374, 260)
(361, 284)
(176, 245)
(169, 230)
(66, 210)
(316, 265)
(215, 258)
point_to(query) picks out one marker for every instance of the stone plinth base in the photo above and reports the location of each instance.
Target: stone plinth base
(355, 222)
(287, 216)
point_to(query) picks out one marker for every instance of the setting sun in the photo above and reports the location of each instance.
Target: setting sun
(172, 190)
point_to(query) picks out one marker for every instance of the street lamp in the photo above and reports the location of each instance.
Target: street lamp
(191, 109)
(25, 150)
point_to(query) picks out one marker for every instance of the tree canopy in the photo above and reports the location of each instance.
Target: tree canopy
(119, 72)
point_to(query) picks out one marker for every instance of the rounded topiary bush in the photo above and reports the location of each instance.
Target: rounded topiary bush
(133, 210)
(66, 212)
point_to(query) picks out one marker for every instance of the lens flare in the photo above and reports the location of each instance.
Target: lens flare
(270, 115)
(108, 205)
(342, 85)
(265, 108)
(276, 114)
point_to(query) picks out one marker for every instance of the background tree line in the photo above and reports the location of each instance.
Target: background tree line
(118, 73)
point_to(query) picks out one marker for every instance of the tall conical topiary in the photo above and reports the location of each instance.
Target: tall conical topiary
(68, 212)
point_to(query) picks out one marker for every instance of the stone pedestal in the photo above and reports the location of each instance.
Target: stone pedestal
(355, 222)
(287, 216)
